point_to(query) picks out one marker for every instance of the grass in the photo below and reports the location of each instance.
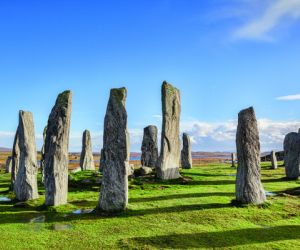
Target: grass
(192, 212)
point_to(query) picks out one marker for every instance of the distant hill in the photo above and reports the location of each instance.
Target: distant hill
(5, 149)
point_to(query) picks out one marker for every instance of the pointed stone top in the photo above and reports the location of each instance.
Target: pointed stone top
(168, 86)
(63, 98)
(119, 94)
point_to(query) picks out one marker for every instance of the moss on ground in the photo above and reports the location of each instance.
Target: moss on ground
(192, 212)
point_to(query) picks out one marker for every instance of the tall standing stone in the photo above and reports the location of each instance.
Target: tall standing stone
(249, 189)
(42, 162)
(292, 155)
(233, 159)
(25, 159)
(114, 187)
(86, 157)
(8, 164)
(273, 160)
(56, 151)
(186, 152)
(169, 159)
(149, 147)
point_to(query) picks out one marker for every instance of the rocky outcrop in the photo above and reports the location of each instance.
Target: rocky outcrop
(24, 163)
(169, 159)
(56, 151)
(292, 155)
(114, 188)
(249, 189)
(87, 158)
(186, 152)
(149, 147)
(273, 160)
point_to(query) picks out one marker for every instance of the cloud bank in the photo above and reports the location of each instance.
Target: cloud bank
(289, 97)
(260, 28)
(205, 136)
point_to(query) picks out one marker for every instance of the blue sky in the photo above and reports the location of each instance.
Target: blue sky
(224, 55)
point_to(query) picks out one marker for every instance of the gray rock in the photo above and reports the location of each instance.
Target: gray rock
(292, 155)
(273, 160)
(8, 164)
(131, 170)
(249, 189)
(24, 163)
(149, 147)
(114, 188)
(42, 163)
(169, 159)
(233, 159)
(101, 161)
(86, 157)
(56, 151)
(186, 152)
(146, 170)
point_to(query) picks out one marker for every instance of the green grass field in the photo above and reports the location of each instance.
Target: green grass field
(192, 212)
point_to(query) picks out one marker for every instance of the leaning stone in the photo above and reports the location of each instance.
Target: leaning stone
(186, 152)
(169, 159)
(273, 160)
(114, 188)
(25, 159)
(8, 164)
(249, 189)
(149, 147)
(56, 151)
(87, 158)
(145, 170)
(292, 155)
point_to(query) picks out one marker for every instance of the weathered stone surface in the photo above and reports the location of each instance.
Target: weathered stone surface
(56, 151)
(116, 152)
(169, 159)
(101, 161)
(8, 164)
(42, 162)
(273, 160)
(233, 159)
(292, 155)
(186, 152)
(249, 189)
(24, 163)
(146, 170)
(149, 147)
(86, 157)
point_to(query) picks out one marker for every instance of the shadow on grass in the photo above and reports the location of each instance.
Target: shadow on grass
(178, 196)
(217, 239)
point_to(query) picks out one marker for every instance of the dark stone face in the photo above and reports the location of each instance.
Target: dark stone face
(249, 189)
(149, 147)
(115, 154)
(292, 155)
(56, 151)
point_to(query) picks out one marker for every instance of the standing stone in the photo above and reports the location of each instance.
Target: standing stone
(116, 152)
(8, 164)
(149, 147)
(273, 160)
(299, 130)
(292, 155)
(56, 151)
(101, 161)
(87, 158)
(186, 152)
(25, 159)
(42, 163)
(249, 189)
(233, 159)
(169, 159)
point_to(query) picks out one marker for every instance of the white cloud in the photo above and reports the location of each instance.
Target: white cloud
(261, 27)
(289, 97)
(205, 136)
